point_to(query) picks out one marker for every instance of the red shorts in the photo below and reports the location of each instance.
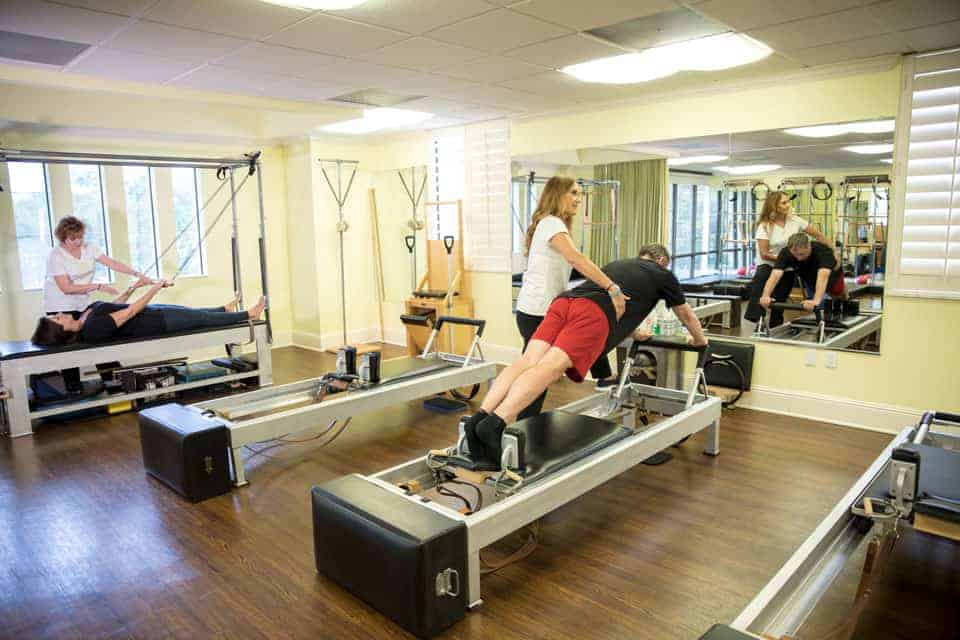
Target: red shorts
(838, 288)
(579, 328)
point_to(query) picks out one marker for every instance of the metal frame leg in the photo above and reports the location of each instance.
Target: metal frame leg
(18, 407)
(240, 477)
(473, 572)
(712, 447)
(264, 359)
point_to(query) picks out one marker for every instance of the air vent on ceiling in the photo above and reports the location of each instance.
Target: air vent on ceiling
(661, 28)
(20, 46)
(375, 98)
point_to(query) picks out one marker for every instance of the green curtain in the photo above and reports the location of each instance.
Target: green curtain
(642, 210)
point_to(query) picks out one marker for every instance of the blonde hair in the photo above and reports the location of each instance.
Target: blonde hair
(550, 204)
(769, 211)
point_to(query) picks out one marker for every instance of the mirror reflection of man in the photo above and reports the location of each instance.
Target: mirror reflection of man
(817, 267)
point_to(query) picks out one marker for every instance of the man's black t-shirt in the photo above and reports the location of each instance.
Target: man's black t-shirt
(100, 327)
(643, 281)
(821, 257)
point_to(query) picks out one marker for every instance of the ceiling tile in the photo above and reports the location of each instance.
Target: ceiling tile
(431, 84)
(132, 67)
(851, 50)
(267, 58)
(492, 69)
(750, 14)
(48, 20)
(457, 109)
(286, 88)
(910, 14)
(563, 88)
(336, 36)
(364, 75)
(507, 98)
(827, 29)
(240, 18)
(174, 42)
(563, 51)
(423, 54)
(498, 31)
(122, 7)
(599, 13)
(939, 36)
(216, 78)
(415, 16)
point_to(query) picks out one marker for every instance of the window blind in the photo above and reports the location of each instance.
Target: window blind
(929, 259)
(486, 218)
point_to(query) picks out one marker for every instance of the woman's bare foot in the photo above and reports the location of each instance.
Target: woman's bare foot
(257, 310)
(231, 306)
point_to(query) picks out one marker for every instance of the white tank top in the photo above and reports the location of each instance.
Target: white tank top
(548, 273)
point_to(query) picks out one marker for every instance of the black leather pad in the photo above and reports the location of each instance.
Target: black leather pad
(389, 551)
(557, 439)
(939, 483)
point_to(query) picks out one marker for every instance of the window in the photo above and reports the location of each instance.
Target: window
(446, 184)
(188, 219)
(927, 180)
(141, 220)
(86, 188)
(694, 229)
(31, 213)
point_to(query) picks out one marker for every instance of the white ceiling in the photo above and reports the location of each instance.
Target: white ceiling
(470, 59)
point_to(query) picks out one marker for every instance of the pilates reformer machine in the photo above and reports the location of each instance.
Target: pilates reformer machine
(324, 405)
(408, 539)
(19, 360)
(897, 515)
(838, 325)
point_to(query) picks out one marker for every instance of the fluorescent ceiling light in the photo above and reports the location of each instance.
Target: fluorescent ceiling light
(887, 160)
(313, 5)
(679, 162)
(702, 54)
(831, 130)
(748, 168)
(378, 119)
(868, 149)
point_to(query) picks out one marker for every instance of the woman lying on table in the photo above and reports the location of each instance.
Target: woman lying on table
(106, 321)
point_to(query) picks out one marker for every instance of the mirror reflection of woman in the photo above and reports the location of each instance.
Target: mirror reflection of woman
(775, 224)
(69, 278)
(551, 256)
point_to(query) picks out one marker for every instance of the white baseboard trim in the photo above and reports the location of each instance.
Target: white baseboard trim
(873, 416)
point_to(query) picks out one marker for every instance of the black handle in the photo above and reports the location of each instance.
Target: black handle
(448, 244)
(421, 321)
(930, 416)
(479, 324)
(677, 344)
(410, 241)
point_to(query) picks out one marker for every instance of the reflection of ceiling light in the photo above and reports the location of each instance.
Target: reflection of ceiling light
(378, 119)
(748, 168)
(327, 5)
(887, 160)
(868, 149)
(702, 54)
(831, 130)
(679, 162)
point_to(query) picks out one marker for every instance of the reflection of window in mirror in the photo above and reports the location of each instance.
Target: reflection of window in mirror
(693, 209)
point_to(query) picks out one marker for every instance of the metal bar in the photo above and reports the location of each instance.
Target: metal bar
(264, 280)
(27, 155)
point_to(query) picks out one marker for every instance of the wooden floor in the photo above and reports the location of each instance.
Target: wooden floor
(90, 547)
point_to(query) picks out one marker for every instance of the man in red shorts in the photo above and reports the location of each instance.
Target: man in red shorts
(817, 267)
(579, 326)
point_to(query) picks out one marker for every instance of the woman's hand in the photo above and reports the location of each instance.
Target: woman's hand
(640, 334)
(766, 301)
(619, 303)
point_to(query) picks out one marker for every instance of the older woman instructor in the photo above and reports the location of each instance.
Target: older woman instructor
(69, 279)
(551, 258)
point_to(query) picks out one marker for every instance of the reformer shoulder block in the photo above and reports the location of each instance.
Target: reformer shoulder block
(409, 563)
(185, 450)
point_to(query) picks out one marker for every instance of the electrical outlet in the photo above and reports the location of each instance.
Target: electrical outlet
(830, 360)
(810, 358)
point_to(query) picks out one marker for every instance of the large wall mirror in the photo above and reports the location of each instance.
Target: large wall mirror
(725, 206)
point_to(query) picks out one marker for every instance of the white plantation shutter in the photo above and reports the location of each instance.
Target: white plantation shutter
(927, 184)
(486, 212)
(446, 182)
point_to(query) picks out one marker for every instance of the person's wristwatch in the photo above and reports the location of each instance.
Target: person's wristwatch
(614, 290)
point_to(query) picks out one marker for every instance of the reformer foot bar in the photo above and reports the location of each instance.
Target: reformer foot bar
(914, 482)
(815, 331)
(286, 410)
(20, 360)
(394, 541)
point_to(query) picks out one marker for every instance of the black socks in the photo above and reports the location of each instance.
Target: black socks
(489, 431)
(477, 450)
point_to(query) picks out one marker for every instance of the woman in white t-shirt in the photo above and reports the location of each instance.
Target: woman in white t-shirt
(551, 256)
(69, 279)
(776, 223)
